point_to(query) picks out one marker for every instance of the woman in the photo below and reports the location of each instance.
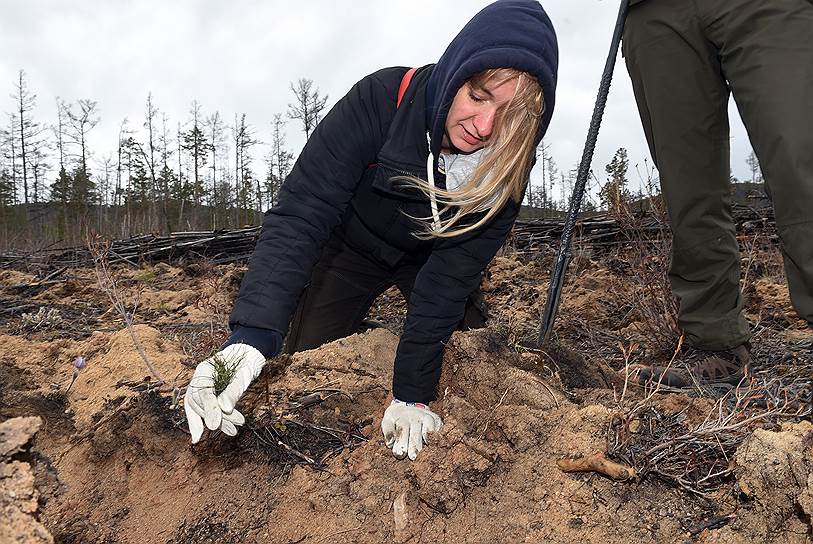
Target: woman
(419, 191)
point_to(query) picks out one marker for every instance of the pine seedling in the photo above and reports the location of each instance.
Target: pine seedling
(224, 371)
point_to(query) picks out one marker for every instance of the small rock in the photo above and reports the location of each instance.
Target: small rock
(575, 523)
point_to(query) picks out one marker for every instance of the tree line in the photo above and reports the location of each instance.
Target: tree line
(199, 173)
(164, 175)
(549, 192)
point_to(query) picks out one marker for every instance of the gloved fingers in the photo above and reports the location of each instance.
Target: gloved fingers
(425, 430)
(431, 424)
(194, 420)
(193, 390)
(201, 389)
(228, 398)
(246, 373)
(227, 427)
(230, 422)
(236, 418)
(189, 401)
(415, 438)
(388, 430)
(401, 442)
(211, 410)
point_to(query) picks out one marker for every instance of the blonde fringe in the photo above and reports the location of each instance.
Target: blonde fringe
(504, 168)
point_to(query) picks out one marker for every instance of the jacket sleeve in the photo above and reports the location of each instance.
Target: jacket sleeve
(313, 200)
(437, 304)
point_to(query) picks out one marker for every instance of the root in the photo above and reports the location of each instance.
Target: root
(597, 462)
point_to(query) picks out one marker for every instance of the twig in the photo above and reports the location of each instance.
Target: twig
(548, 389)
(98, 249)
(697, 458)
(713, 523)
(488, 421)
(286, 447)
(351, 529)
(17, 308)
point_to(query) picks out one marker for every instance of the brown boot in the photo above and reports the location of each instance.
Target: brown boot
(712, 367)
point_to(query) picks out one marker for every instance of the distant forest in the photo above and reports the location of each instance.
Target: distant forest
(197, 174)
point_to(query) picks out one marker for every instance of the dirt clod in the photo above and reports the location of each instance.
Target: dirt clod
(18, 494)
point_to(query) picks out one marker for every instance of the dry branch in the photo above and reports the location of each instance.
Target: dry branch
(236, 245)
(698, 457)
(107, 283)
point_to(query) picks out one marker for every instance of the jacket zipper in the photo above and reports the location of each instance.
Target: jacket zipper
(399, 170)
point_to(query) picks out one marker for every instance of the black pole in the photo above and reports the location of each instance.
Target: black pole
(563, 258)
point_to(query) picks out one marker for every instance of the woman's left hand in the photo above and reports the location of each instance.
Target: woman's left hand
(406, 426)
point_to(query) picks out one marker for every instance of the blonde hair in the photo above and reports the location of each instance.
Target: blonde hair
(505, 165)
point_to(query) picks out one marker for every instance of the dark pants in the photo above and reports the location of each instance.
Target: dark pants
(684, 58)
(344, 285)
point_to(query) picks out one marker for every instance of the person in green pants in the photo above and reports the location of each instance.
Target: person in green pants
(684, 58)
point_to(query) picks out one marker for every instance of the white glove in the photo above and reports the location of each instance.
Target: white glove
(201, 405)
(406, 426)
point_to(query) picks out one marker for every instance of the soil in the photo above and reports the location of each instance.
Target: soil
(108, 459)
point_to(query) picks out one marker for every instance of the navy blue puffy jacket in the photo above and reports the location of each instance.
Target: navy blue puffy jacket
(342, 183)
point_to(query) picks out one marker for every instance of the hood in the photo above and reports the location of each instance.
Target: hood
(506, 34)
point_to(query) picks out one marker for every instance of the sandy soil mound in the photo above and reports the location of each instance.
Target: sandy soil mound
(114, 370)
(775, 474)
(490, 471)
(18, 496)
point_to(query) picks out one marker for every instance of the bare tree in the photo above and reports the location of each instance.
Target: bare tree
(164, 143)
(8, 195)
(105, 193)
(195, 143)
(167, 180)
(308, 106)
(62, 186)
(216, 131)
(278, 160)
(11, 152)
(80, 122)
(182, 187)
(118, 193)
(754, 167)
(148, 155)
(28, 130)
(552, 175)
(59, 131)
(149, 124)
(244, 140)
(39, 166)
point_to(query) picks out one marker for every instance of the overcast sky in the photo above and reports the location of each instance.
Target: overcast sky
(240, 57)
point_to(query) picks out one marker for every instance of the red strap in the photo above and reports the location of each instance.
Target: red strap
(404, 84)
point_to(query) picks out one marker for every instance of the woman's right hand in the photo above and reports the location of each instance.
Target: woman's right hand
(406, 427)
(201, 405)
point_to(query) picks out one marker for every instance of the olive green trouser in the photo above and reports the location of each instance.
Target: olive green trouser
(684, 56)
